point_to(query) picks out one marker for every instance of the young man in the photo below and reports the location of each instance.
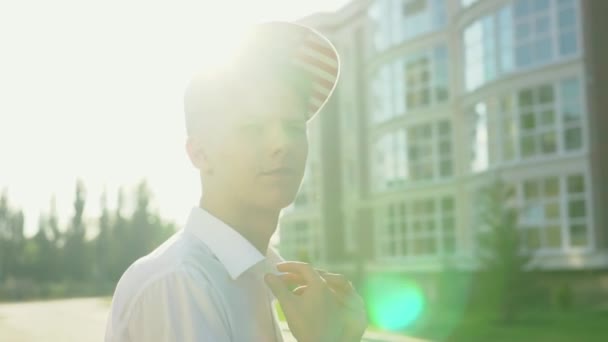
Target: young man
(215, 279)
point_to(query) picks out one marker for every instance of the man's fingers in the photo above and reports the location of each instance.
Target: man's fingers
(300, 268)
(299, 290)
(277, 287)
(337, 281)
(292, 278)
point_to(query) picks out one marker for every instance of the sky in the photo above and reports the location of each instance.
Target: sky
(92, 90)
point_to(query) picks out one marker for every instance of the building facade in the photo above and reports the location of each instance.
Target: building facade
(436, 99)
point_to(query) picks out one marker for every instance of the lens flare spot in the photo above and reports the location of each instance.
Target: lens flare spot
(394, 303)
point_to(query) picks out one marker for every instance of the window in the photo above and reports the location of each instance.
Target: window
(467, 3)
(419, 17)
(417, 78)
(479, 139)
(571, 107)
(577, 211)
(424, 235)
(444, 141)
(420, 152)
(533, 32)
(414, 7)
(540, 217)
(567, 23)
(520, 35)
(417, 228)
(394, 22)
(531, 118)
(549, 204)
(425, 80)
(448, 225)
(416, 153)
(299, 240)
(415, 82)
(537, 125)
(394, 237)
(541, 120)
(381, 100)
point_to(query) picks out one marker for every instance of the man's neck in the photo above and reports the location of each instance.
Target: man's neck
(254, 224)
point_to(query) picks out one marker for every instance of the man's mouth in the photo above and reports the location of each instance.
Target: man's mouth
(282, 171)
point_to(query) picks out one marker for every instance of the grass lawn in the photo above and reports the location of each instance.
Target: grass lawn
(538, 327)
(579, 326)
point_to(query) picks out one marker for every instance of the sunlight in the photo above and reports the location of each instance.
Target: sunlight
(94, 90)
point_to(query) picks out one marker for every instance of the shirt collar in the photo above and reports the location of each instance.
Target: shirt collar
(235, 252)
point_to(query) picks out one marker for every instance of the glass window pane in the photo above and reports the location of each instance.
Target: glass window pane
(528, 121)
(532, 237)
(570, 90)
(540, 5)
(576, 184)
(565, 3)
(566, 18)
(508, 150)
(577, 209)
(547, 118)
(543, 50)
(522, 7)
(545, 93)
(574, 139)
(567, 43)
(542, 25)
(525, 98)
(441, 92)
(445, 168)
(571, 112)
(445, 148)
(449, 244)
(528, 146)
(523, 55)
(553, 236)
(444, 128)
(578, 235)
(552, 210)
(551, 187)
(531, 190)
(430, 207)
(548, 142)
(447, 204)
(448, 225)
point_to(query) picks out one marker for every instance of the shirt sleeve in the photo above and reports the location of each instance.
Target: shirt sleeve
(180, 306)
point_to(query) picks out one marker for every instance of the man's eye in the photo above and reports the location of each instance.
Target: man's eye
(252, 127)
(298, 128)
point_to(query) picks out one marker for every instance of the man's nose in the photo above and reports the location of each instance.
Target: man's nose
(279, 140)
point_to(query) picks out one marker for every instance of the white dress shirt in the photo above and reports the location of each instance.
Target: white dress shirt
(203, 284)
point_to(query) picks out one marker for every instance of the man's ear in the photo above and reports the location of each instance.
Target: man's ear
(198, 155)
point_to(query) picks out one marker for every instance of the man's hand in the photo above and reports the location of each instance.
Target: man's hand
(313, 315)
(351, 310)
(353, 305)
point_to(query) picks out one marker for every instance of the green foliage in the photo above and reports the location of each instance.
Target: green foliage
(563, 297)
(503, 280)
(65, 262)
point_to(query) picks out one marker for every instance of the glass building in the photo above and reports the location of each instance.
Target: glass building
(437, 98)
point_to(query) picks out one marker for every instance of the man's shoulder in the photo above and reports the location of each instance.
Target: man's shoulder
(180, 256)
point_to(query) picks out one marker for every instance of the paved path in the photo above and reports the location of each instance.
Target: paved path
(82, 320)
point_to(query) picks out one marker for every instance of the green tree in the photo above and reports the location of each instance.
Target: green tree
(76, 255)
(502, 259)
(12, 240)
(103, 241)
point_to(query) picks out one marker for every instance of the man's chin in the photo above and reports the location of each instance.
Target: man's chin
(278, 201)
